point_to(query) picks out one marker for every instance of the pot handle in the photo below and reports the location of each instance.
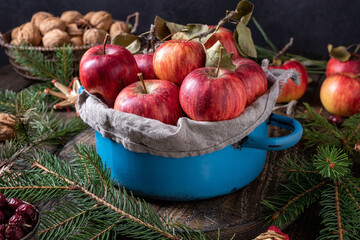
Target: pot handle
(276, 143)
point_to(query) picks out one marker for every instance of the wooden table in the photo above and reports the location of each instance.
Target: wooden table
(236, 213)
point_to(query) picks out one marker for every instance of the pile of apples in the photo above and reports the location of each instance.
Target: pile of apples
(176, 84)
(340, 91)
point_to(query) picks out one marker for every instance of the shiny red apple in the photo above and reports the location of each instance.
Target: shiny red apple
(253, 77)
(175, 59)
(290, 90)
(145, 65)
(160, 101)
(107, 73)
(226, 38)
(350, 66)
(340, 94)
(208, 96)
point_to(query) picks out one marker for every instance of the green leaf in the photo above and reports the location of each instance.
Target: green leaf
(244, 11)
(164, 28)
(244, 41)
(213, 54)
(129, 41)
(340, 53)
(191, 31)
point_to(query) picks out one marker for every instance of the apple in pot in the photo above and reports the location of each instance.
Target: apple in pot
(175, 59)
(350, 66)
(212, 94)
(153, 98)
(290, 90)
(253, 77)
(145, 65)
(340, 94)
(226, 38)
(106, 69)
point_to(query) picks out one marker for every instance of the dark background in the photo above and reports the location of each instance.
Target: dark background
(312, 23)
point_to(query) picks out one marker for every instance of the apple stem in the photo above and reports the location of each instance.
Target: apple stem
(283, 51)
(105, 41)
(219, 61)
(143, 83)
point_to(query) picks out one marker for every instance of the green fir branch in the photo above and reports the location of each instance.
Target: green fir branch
(64, 59)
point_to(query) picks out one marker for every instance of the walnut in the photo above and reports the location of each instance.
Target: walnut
(73, 30)
(71, 16)
(7, 127)
(101, 20)
(28, 33)
(38, 17)
(88, 16)
(76, 41)
(51, 23)
(15, 32)
(118, 27)
(93, 36)
(55, 37)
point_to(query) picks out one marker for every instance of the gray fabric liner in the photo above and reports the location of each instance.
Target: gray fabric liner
(189, 137)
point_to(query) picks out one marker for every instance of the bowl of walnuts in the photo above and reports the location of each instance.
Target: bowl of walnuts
(47, 33)
(18, 219)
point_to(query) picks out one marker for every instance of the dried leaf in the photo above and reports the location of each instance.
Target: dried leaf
(213, 54)
(129, 41)
(244, 11)
(164, 28)
(244, 41)
(192, 30)
(340, 53)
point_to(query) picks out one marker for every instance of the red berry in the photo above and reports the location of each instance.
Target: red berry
(2, 228)
(17, 220)
(2, 237)
(13, 203)
(26, 210)
(13, 233)
(335, 119)
(2, 200)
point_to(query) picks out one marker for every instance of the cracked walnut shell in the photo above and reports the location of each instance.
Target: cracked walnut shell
(71, 16)
(118, 27)
(73, 30)
(93, 36)
(38, 17)
(88, 16)
(55, 37)
(51, 23)
(101, 20)
(7, 127)
(27, 33)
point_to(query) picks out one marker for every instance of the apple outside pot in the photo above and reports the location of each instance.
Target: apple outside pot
(350, 66)
(290, 90)
(340, 94)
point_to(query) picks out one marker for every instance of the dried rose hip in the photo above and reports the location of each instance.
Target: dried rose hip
(335, 119)
(17, 220)
(26, 210)
(13, 203)
(13, 233)
(2, 200)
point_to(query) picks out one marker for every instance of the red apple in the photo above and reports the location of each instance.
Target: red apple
(175, 59)
(226, 38)
(161, 102)
(207, 96)
(290, 90)
(350, 66)
(340, 94)
(145, 65)
(253, 77)
(106, 74)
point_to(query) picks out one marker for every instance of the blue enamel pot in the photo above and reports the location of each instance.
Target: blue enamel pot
(200, 177)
